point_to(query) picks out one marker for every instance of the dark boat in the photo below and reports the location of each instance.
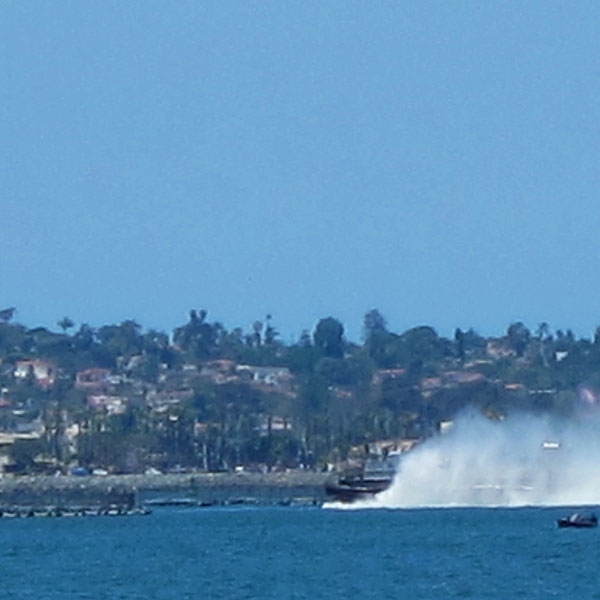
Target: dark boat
(350, 488)
(375, 477)
(578, 520)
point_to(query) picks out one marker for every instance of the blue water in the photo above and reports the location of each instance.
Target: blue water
(300, 553)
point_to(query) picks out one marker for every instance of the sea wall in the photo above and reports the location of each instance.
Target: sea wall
(97, 491)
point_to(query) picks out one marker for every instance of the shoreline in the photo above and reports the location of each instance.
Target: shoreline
(92, 491)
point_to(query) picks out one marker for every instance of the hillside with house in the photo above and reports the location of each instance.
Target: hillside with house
(123, 400)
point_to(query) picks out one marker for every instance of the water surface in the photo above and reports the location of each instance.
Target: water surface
(301, 553)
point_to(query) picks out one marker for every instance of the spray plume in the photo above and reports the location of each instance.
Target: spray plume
(521, 461)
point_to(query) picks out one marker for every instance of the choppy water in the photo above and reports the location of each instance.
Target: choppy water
(296, 553)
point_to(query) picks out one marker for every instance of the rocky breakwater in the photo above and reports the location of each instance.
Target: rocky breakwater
(229, 488)
(128, 491)
(56, 494)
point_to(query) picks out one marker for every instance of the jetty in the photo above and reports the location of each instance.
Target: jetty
(117, 495)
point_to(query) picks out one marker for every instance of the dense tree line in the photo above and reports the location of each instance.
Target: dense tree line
(343, 394)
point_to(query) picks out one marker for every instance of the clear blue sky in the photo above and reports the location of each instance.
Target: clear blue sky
(436, 160)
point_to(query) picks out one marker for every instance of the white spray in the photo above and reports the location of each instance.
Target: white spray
(520, 461)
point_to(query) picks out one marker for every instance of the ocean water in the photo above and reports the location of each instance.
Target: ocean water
(300, 553)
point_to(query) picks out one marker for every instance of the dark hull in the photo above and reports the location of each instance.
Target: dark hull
(582, 524)
(359, 489)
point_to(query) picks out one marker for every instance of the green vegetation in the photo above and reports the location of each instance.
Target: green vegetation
(124, 399)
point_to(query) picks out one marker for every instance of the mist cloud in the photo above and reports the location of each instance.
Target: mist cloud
(521, 461)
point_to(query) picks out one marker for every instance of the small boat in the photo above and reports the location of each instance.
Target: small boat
(578, 520)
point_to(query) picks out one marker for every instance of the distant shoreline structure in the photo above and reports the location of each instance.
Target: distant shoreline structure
(42, 491)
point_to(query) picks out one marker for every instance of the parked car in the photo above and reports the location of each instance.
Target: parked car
(80, 471)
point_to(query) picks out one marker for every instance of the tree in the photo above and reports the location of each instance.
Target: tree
(459, 339)
(231, 343)
(65, 323)
(518, 337)
(305, 341)
(148, 369)
(256, 336)
(270, 332)
(23, 452)
(328, 337)
(381, 345)
(277, 448)
(473, 342)
(422, 344)
(373, 323)
(154, 342)
(84, 338)
(7, 314)
(302, 356)
(198, 338)
(543, 335)
(345, 371)
(122, 340)
(543, 330)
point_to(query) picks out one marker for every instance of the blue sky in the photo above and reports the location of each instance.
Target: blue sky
(436, 160)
